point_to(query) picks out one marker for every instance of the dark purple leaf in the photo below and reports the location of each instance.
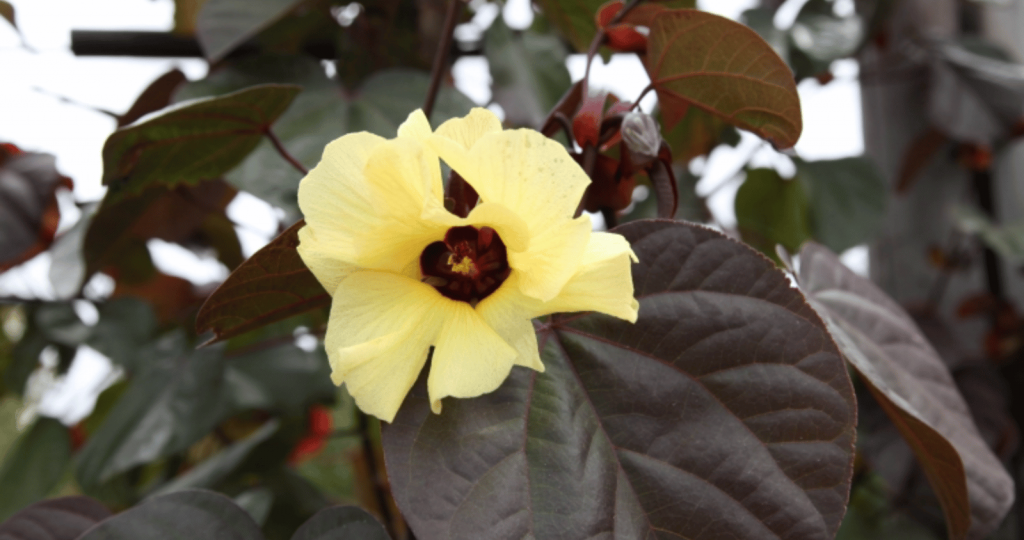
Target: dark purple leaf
(56, 519)
(724, 412)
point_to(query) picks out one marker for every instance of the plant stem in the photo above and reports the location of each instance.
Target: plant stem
(284, 152)
(363, 426)
(598, 40)
(636, 103)
(437, 71)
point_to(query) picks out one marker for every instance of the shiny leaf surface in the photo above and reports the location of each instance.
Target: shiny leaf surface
(916, 390)
(65, 518)
(193, 514)
(272, 285)
(192, 141)
(724, 412)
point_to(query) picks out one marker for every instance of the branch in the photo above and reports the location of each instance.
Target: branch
(452, 17)
(598, 40)
(363, 426)
(284, 152)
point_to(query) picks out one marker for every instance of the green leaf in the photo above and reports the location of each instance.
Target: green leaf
(725, 411)
(192, 141)
(847, 200)
(270, 286)
(702, 60)
(35, 466)
(218, 466)
(223, 25)
(529, 73)
(319, 115)
(283, 379)
(257, 503)
(173, 403)
(1006, 240)
(125, 325)
(772, 210)
(342, 523)
(65, 518)
(193, 514)
(916, 390)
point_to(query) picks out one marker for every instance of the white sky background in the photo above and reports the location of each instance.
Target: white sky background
(33, 117)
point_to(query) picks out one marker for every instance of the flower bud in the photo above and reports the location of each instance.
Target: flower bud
(641, 134)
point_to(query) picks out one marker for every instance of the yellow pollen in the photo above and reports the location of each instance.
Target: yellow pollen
(464, 267)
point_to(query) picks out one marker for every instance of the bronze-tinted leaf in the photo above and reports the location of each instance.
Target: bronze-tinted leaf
(271, 285)
(193, 514)
(916, 390)
(193, 141)
(724, 412)
(29, 213)
(156, 96)
(700, 59)
(65, 518)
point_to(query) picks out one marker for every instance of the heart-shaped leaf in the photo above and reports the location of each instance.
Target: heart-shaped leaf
(319, 115)
(914, 387)
(56, 519)
(724, 412)
(35, 466)
(772, 210)
(341, 523)
(192, 141)
(192, 514)
(703, 60)
(223, 25)
(272, 285)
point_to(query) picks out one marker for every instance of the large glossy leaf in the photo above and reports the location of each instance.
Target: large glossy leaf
(176, 399)
(284, 379)
(34, 466)
(724, 412)
(847, 200)
(916, 390)
(528, 71)
(223, 25)
(272, 285)
(772, 210)
(702, 60)
(322, 113)
(192, 515)
(56, 519)
(192, 141)
(341, 523)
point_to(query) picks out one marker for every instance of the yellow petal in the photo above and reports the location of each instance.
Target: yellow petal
(523, 170)
(380, 330)
(553, 257)
(399, 174)
(327, 263)
(604, 281)
(509, 313)
(470, 358)
(334, 197)
(468, 130)
(416, 126)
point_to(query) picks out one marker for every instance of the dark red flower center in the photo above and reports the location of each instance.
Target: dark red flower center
(468, 265)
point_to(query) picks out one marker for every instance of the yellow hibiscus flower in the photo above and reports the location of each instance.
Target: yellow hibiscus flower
(405, 274)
